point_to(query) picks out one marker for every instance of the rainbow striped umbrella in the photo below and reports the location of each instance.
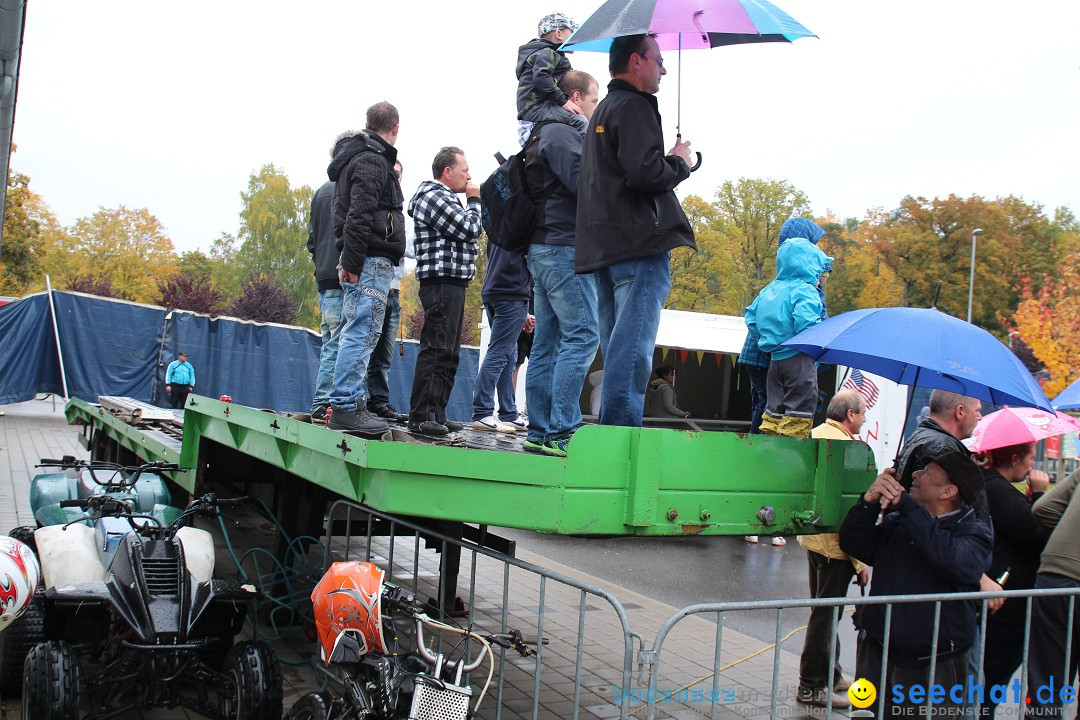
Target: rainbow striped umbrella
(690, 24)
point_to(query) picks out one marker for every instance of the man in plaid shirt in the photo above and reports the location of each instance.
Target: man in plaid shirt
(446, 249)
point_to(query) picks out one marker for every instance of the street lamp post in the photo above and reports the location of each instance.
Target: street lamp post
(971, 280)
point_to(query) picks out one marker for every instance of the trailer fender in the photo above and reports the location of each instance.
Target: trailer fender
(68, 555)
(198, 552)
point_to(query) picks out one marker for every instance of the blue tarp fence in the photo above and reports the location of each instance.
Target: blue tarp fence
(113, 347)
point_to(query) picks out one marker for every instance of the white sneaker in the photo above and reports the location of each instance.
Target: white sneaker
(778, 541)
(490, 423)
(520, 423)
(750, 539)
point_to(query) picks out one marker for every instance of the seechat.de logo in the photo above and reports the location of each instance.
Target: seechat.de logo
(862, 693)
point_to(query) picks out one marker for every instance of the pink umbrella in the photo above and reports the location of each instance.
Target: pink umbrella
(1012, 426)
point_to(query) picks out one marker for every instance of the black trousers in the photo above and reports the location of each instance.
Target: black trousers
(440, 344)
(950, 670)
(178, 396)
(1046, 659)
(1004, 653)
(829, 578)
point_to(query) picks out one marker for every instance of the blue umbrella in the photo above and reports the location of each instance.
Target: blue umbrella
(916, 346)
(1069, 398)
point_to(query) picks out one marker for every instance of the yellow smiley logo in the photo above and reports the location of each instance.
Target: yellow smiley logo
(862, 693)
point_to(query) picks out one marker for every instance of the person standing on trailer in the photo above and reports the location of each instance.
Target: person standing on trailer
(179, 380)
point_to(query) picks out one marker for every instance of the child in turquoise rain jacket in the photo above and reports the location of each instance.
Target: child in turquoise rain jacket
(785, 307)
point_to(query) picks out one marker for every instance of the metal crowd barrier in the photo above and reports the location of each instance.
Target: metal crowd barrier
(694, 697)
(499, 593)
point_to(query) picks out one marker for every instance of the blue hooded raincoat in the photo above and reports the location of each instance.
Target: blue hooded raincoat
(790, 303)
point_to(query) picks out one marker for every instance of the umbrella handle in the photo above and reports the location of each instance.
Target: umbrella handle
(695, 166)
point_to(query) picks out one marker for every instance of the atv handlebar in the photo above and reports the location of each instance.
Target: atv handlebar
(69, 462)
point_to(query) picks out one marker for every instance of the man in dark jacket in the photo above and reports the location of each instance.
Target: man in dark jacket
(370, 230)
(952, 418)
(931, 543)
(323, 248)
(628, 220)
(566, 335)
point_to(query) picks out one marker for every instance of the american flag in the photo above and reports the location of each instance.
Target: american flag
(862, 385)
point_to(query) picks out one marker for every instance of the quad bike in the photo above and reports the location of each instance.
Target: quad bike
(153, 623)
(76, 557)
(382, 680)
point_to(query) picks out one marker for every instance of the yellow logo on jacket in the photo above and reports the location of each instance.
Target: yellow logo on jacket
(599, 128)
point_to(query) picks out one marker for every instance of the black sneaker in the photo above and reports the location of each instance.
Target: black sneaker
(360, 421)
(318, 415)
(387, 412)
(428, 427)
(453, 426)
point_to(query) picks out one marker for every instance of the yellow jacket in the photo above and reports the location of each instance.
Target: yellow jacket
(828, 544)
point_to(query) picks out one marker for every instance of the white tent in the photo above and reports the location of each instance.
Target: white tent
(683, 330)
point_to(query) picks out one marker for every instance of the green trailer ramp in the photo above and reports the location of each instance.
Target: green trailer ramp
(614, 480)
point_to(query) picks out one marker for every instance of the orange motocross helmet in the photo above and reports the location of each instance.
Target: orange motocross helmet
(348, 611)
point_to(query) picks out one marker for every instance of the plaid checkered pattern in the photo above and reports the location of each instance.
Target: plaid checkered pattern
(446, 232)
(751, 354)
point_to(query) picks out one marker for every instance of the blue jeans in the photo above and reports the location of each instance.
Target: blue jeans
(330, 309)
(497, 371)
(758, 396)
(363, 308)
(629, 297)
(564, 341)
(378, 376)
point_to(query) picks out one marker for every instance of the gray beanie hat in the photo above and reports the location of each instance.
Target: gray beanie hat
(554, 21)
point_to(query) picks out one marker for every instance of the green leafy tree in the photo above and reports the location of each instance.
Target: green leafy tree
(474, 304)
(706, 281)
(752, 210)
(273, 239)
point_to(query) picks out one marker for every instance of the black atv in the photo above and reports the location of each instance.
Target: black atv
(157, 631)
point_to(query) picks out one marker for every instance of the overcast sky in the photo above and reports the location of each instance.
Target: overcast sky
(172, 106)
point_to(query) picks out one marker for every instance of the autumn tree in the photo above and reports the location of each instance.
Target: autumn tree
(859, 278)
(409, 297)
(127, 247)
(263, 299)
(273, 239)
(1048, 321)
(706, 280)
(28, 224)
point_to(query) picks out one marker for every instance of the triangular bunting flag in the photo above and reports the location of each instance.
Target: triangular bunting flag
(683, 354)
(717, 358)
(700, 357)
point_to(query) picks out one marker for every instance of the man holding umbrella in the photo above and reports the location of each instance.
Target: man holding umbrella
(628, 220)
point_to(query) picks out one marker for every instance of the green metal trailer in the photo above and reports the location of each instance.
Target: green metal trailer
(613, 481)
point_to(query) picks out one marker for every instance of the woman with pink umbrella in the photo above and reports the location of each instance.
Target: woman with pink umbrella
(1006, 439)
